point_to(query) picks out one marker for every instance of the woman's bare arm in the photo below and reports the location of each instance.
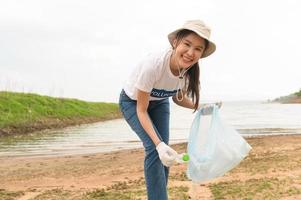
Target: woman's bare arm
(142, 105)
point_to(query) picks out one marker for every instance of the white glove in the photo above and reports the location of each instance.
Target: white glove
(166, 154)
(207, 109)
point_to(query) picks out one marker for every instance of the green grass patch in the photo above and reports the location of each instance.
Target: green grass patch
(181, 176)
(127, 190)
(20, 109)
(115, 195)
(178, 193)
(133, 190)
(269, 162)
(58, 194)
(265, 188)
(8, 195)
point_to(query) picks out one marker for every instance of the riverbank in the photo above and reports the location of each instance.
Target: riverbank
(289, 99)
(271, 171)
(22, 113)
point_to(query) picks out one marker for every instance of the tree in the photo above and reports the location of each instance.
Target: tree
(298, 93)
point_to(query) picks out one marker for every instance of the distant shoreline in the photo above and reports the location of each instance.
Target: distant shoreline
(289, 99)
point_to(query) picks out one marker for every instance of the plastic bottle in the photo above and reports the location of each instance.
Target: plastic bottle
(182, 158)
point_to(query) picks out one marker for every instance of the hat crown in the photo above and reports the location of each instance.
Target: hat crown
(198, 26)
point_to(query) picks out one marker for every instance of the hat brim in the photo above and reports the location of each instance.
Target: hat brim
(211, 47)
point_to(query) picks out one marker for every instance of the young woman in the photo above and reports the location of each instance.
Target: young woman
(144, 100)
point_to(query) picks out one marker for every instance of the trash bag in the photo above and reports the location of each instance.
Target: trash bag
(213, 148)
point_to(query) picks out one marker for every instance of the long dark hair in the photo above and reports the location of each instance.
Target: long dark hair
(193, 74)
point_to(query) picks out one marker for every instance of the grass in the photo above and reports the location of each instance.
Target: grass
(178, 193)
(262, 188)
(175, 193)
(8, 195)
(125, 190)
(180, 176)
(269, 161)
(58, 193)
(22, 111)
(133, 191)
(292, 98)
(115, 195)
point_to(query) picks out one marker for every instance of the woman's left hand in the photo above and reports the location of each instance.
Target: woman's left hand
(219, 104)
(207, 109)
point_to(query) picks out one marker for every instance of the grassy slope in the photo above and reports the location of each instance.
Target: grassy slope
(20, 112)
(292, 98)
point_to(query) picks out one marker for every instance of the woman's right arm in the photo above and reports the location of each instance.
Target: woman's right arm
(166, 154)
(142, 105)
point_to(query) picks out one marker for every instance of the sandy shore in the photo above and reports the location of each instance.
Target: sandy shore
(271, 171)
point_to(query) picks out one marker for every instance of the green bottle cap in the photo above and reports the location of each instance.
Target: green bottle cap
(185, 157)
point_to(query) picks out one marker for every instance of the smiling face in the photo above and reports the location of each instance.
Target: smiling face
(188, 50)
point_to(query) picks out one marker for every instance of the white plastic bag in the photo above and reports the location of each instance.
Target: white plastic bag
(215, 150)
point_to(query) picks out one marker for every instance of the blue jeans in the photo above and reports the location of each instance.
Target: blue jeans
(156, 174)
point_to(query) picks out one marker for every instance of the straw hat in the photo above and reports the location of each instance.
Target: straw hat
(201, 29)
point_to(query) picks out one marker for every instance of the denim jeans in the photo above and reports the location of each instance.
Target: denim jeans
(156, 174)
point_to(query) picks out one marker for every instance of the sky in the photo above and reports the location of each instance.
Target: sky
(87, 49)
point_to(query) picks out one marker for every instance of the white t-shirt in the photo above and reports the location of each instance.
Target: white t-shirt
(153, 75)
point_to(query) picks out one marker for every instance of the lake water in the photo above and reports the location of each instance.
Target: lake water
(249, 118)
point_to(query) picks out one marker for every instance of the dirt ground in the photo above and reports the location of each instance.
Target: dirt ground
(272, 167)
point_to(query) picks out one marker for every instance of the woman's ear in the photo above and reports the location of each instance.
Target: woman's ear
(174, 43)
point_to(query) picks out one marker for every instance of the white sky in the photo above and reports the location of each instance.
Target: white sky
(87, 49)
